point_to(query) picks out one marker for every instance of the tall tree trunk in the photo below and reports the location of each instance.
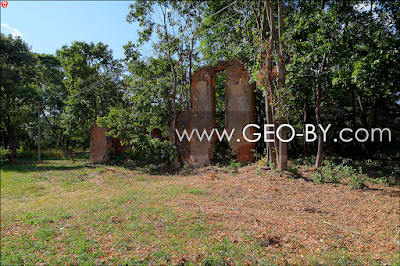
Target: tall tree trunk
(318, 159)
(280, 52)
(283, 156)
(174, 75)
(271, 146)
(39, 135)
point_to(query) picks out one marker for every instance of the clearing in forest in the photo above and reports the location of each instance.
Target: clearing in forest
(58, 212)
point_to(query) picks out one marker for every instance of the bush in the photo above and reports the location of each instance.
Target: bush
(155, 150)
(326, 174)
(357, 181)
(52, 153)
(4, 154)
(331, 173)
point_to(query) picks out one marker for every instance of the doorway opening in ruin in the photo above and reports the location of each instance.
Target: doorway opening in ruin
(222, 152)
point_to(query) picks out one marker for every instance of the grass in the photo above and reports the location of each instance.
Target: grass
(57, 212)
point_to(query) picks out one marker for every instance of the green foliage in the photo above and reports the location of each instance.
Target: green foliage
(19, 90)
(293, 170)
(233, 167)
(92, 82)
(357, 181)
(154, 150)
(337, 173)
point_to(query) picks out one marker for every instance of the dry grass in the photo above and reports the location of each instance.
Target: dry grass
(54, 213)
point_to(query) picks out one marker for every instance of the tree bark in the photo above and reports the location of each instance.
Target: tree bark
(280, 52)
(39, 135)
(271, 146)
(318, 159)
(283, 156)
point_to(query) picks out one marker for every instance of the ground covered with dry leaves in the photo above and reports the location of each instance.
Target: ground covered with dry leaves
(59, 212)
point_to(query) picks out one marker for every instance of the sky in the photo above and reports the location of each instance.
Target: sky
(48, 25)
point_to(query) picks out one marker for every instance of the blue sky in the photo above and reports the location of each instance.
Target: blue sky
(48, 25)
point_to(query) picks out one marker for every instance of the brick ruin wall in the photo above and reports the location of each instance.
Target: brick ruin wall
(239, 111)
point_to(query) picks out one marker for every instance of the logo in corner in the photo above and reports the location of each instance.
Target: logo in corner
(4, 4)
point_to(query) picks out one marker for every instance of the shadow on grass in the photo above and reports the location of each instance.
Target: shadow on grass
(27, 165)
(150, 167)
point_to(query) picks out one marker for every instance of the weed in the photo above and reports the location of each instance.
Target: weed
(186, 170)
(357, 181)
(258, 171)
(317, 177)
(293, 170)
(197, 191)
(234, 165)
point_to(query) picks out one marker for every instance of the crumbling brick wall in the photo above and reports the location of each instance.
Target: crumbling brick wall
(239, 111)
(101, 145)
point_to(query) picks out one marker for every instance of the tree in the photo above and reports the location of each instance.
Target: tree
(145, 99)
(92, 80)
(175, 32)
(270, 78)
(18, 94)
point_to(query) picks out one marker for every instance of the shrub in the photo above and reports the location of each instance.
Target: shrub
(357, 181)
(234, 166)
(52, 153)
(155, 150)
(317, 177)
(329, 174)
(4, 154)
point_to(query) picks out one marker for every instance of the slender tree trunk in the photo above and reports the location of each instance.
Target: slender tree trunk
(283, 156)
(188, 100)
(280, 52)
(271, 146)
(174, 75)
(318, 159)
(39, 135)
(183, 82)
(271, 153)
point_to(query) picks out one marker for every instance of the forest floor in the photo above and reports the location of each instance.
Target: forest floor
(59, 212)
